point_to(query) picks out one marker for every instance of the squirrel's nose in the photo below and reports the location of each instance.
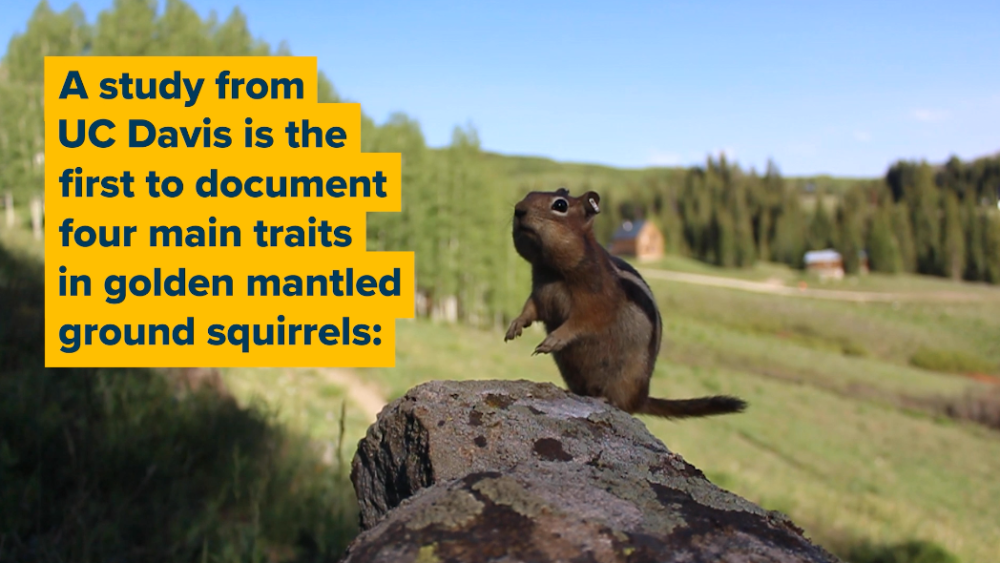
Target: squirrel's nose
(519, 212)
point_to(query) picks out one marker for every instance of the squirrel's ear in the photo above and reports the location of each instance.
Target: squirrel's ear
(591, 203)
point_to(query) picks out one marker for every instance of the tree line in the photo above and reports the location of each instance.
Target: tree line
(933, 220)
(458, 200)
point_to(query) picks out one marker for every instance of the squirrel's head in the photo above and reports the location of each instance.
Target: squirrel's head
(553, 228)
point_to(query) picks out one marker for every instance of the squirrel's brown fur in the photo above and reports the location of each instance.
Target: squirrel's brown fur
(604, 328)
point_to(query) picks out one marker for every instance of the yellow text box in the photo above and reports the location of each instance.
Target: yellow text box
(207, 211)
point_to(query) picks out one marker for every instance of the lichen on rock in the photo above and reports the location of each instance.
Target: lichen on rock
(505, 471)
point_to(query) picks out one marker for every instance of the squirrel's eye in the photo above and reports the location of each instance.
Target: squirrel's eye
(560, 205)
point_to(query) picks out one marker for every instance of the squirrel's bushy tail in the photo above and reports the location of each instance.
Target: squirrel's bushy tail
(687, 408)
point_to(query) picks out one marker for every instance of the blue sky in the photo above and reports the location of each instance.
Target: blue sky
(840, 87)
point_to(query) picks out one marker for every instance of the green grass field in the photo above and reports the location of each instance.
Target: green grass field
(828, 438)
(835, 435)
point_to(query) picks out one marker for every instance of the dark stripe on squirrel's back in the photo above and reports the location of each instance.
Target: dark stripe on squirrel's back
(636, 288)
(638, 291)
(623, 265)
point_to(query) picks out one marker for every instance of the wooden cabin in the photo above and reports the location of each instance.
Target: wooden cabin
(827, 264)
(638, 239)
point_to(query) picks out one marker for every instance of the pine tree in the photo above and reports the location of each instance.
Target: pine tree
(991, 245)
(776, 201)
(768, 197)
(724, 238)
(925, 207)
(673, 229)
(822, 231)
(901, 178)
(903, 230)
(975, 254)
(790, 231)
(695, 206)
(744, 244)
(953, 243)
(850, 219)
(883, 248)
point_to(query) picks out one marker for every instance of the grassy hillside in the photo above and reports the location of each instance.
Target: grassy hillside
(838, 434)
(556, 171)
(548, 173)
(843, 432)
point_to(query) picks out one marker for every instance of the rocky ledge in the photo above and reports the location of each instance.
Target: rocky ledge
(515, 471)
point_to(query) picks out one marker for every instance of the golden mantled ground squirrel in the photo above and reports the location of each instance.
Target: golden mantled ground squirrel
(603, 325)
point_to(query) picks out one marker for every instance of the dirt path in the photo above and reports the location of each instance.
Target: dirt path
(365, 395)
(833, 294)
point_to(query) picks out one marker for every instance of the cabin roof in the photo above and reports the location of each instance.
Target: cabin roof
(827, 255)
(628, 230)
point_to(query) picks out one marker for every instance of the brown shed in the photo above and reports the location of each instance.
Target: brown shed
(640, 239)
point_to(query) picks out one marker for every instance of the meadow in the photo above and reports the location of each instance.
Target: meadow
(841, 433)
(844, 432)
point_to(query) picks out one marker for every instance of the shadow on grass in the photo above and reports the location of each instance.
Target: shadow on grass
(853, 548)
(906, 552)
(117, 465)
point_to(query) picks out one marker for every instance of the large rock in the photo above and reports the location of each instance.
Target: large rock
(519, 471)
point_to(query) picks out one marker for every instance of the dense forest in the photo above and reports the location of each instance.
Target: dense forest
(937, 220)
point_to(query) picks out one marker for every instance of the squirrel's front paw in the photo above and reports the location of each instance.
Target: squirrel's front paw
(552, 343)
(515, 329)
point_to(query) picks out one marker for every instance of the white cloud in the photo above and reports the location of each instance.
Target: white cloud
(863, 136)
(929, 115)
